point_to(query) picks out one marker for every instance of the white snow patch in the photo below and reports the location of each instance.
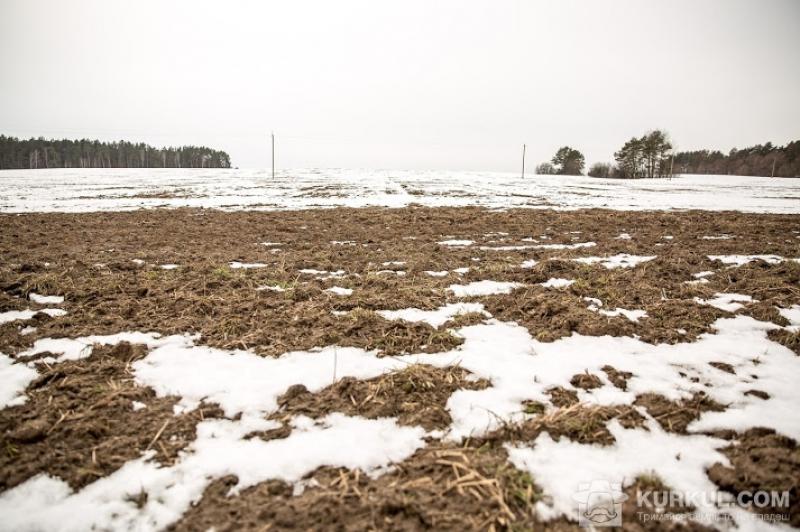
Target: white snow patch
(739, 260)
(680, 461)
(137, 405)
(45, 300)
(718, 237)
(556, 282)
(236, 265)
(432, 273)
(463, 270)
(456, 243)
(700, 277)
(483, 288)
(14, 315)
(529, 263)
(622, 260)
(322, 274)
(792, 314)
(632, 315)
(596, 304)
(434, 318)
(623, 236)
(45, 503)
(398, 273)
(168, 266)
(577, 245)
(77, 348)
(14, 378)
(340, 291)
(272, 288)
(394, 263)
(727, 302)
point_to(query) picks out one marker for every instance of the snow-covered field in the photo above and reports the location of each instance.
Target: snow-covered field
(123, 189)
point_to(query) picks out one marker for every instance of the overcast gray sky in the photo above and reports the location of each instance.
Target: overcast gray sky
(445, 84)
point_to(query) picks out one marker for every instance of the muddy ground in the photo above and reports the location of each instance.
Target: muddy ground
(78, 425)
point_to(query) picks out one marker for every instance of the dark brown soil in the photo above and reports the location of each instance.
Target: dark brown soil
(618, 378)
(675, 416)
(89, 257)
(79, 424)
(416, 395)
(631, 510)
(762, 460)
(439, 487)
(586, 381)
(787, 339)
(583, 424)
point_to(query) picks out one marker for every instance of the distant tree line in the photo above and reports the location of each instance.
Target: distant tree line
(760, 160)
(43, 153)
(652, 156)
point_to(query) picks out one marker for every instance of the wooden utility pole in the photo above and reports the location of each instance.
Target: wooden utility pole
(523, 161)
(273, 154)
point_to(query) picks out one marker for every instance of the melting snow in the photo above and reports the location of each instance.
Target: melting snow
(681, 462)
(577, 245)
(739, 260)
(519, 367)
(557, 283)
(322, 274)
(622, 260)
(728, 302)
(273, 288)
(435, 318)
(45, 503)
(14, 378)
(77, 348)
(632, 315)
(483, 288)
(168, 266)
(442, 273)
(399, 273)
(14, 315)
(339, 291)
(236, 265)
(456, 243)
(45, 300)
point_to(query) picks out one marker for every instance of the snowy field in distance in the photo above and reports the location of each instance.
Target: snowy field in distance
(74, 190)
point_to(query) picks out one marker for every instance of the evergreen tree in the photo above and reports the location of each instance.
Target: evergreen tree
(42, 153)
(568, 161)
